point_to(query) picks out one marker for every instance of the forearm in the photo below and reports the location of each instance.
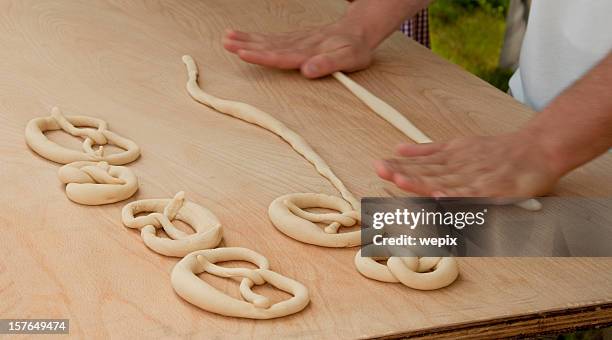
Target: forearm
(576, 127)
(377, 19)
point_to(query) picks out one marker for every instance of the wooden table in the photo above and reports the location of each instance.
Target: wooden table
(120, 60)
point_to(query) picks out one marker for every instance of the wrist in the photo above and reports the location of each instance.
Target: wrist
(550, 146)
(353, 25)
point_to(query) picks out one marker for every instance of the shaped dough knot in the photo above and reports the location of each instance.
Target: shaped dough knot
(424, 273)
(208, 231)
(250, 278)
(287, 214)
(95, 133)
(96, 183)
(196, 291)
(345, 218)
(91, 136)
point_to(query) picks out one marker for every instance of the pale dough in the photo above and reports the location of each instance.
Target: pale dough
(425, 273)
(285, 212)
(96, 183)
(402, 123)
(196, 291)
(386, 111)
(95, 133)
(287, 215)
(208, 231)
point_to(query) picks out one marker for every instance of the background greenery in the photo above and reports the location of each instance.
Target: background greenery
(470, 33)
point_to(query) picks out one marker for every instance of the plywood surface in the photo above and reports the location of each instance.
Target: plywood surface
(120, 61)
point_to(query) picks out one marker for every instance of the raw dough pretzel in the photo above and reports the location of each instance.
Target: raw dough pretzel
(190, 287)
(208, 231)
(287, 215)
(96, 183)
(37, 141)
(400, 122)
(425, 273)
(285, 212)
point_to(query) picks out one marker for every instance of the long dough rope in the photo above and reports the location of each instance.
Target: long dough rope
(255, 116)
(286, 211)
(386, 111)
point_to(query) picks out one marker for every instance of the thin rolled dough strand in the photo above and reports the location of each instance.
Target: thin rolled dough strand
(255, 116)
(386, 111)
(391, 115)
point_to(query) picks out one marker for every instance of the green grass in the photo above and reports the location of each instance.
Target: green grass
(470, 33)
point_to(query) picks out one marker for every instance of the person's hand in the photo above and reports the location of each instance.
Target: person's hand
(508, 166)
(316, 52)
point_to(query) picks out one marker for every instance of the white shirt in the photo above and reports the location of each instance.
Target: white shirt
(564, 39)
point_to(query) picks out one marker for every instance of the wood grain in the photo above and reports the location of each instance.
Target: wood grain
(119, 60)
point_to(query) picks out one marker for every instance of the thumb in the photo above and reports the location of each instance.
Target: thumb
(343, 59)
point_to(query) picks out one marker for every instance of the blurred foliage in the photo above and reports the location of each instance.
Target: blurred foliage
(470, 33)
(449, 11)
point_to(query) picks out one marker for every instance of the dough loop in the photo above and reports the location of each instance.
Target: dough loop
(424, 273)
(196, 291)
(287, 214)
(208, 231)
(95, 133)
(96, 183)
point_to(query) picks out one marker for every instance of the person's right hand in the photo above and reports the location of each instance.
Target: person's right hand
(316, 52)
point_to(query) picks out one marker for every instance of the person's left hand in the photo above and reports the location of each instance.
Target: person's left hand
(508, 166)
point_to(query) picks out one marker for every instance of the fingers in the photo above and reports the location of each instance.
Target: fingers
(417, 185)
(231, 34)
(271, 51)
(425, 173)
(383, 170)
(418, 167)
(413, 150)
(235, 45)
(342, 59)
(282, 59)
(315, 53)
(460, 191)
(419, 179)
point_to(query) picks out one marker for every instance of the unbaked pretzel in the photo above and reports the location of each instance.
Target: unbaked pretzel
(424, 273)
(96, 183)
(196, 291)
(94, 131)
(208, 230)
(287, 214)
